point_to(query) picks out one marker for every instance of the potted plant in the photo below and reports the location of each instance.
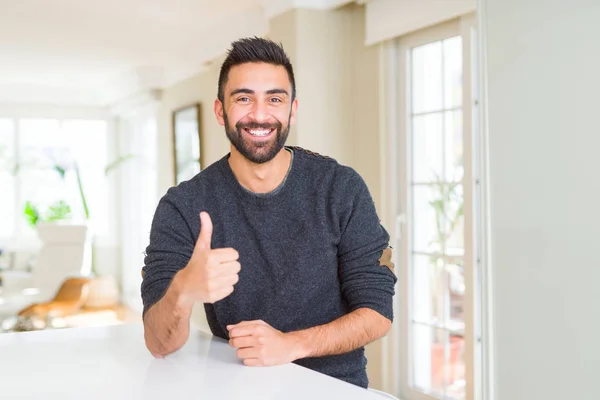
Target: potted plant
(103, 289)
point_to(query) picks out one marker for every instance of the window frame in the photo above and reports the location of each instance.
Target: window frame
(396, 162)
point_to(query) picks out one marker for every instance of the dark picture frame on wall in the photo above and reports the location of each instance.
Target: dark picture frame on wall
(187, 142)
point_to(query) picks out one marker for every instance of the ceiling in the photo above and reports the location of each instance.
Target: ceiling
(95, 53)
(73, 50)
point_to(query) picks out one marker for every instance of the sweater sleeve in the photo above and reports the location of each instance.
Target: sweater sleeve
(170, 248)
(365, 270)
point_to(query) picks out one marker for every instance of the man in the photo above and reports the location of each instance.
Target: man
(283, 246)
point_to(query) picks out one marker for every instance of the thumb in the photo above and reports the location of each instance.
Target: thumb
(206, 229)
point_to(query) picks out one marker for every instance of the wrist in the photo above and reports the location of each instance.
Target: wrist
(300, 345)
(177, 297)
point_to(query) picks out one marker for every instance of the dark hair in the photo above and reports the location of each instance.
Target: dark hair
(255, 49)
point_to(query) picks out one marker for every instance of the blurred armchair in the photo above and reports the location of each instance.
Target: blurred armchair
(60, 257)
(69, 299)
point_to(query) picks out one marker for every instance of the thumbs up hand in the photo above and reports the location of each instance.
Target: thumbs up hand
(211, 273)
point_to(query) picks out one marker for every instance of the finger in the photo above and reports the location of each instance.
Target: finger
(241, 324)
(247, 352)
(226, 255)
(257, 322)
(229, 327)
(222, 283)
(244, 341)
(227, 269)
(232, 280)
(252, 362)
(247, 330)
(222, 293)
(242, 331)
(206, 230)
(223, 278)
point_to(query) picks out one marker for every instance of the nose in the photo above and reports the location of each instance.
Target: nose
(260, 112)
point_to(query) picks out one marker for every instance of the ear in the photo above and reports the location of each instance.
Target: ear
(293, 112)
(218, 108)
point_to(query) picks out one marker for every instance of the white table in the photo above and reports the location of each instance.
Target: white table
(113, 363)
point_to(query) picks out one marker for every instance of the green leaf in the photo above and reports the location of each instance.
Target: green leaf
(81, 193)
(58, 211)
(61, 171)
(32, 214)
(115, 164)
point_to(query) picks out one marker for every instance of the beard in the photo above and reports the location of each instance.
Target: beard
(258, 152)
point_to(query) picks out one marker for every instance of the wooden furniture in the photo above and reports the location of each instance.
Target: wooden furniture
(71, 295)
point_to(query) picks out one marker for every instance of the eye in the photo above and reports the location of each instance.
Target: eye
(244, 99)
(276, 100)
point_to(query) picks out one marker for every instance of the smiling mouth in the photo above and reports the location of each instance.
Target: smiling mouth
(259, 132)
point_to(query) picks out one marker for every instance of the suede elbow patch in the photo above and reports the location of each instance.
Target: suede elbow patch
(386, 259)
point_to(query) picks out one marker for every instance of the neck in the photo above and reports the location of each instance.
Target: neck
(260, 178)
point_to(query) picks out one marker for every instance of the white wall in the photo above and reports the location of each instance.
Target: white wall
(389, 19)
(544, 85)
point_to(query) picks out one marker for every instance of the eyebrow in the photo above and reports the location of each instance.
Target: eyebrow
(249, 91)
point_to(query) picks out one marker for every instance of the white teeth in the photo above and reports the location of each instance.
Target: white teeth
(259, 132)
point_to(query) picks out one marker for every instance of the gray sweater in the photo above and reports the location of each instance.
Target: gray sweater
(309, 251)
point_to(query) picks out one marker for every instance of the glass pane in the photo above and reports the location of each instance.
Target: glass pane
(453, 124)
(429, 289)
(426, 223)
(456, 288)
(454, 235)
(41, 145)
(42, 148)
(187, 143)
(453, 80)
(429, 358)
(88, 141)
(427, 78)
(438, 218)
(7, 165)
(455, 368)
(47, 147)
(427, 148)
(7, 142)
(438, 362)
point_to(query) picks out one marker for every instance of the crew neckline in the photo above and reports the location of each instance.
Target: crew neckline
(274, 196)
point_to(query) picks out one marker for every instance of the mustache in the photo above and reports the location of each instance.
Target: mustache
(257, 125)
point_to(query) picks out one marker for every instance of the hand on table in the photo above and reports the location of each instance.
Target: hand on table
(259, 344)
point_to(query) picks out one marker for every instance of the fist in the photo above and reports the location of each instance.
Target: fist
(259, 344)
(211, 273)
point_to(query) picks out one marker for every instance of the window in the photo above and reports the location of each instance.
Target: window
(138, 199)
(437, 333)
(39, 159)
(437, 219)
(7, 183)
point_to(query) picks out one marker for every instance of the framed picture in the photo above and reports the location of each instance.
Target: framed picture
(187, 147)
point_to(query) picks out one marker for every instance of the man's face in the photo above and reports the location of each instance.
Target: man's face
(257, 110)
